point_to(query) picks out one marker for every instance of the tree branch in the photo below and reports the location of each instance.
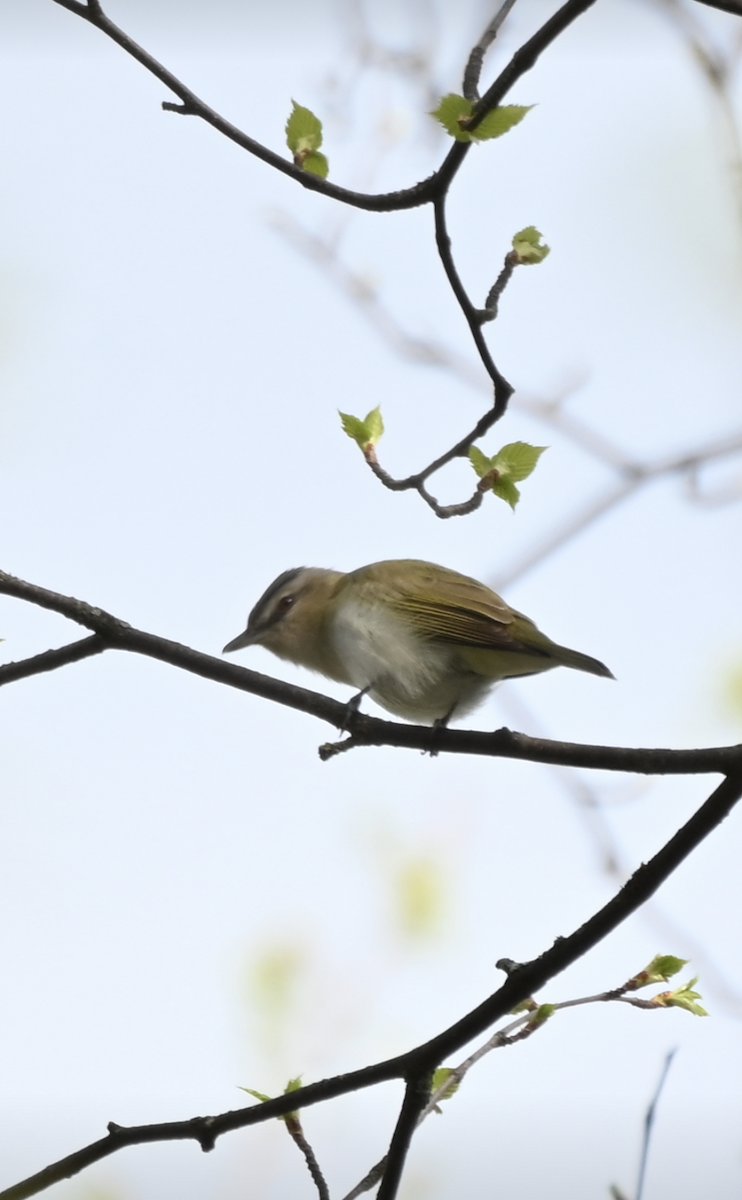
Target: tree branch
(51, 659)
(417, 1094)
(416, 1065)
(730, 6)
(364, 730)
(470, 85)
(420, 193)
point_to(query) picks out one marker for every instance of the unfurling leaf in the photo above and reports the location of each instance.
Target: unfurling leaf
(316, 164)
(439, 1078)
(527, 245)
(506, 490)
(518, 460)
(293, 1085)
(509, 466)
(682, 997)
(499, 121)
(479, 461)
(455, 113)
(258, 1095)
(542, 1014)
(659, 970)
(365, 432)
(304, 138)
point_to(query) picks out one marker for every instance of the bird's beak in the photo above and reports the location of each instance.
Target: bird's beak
(239, 643)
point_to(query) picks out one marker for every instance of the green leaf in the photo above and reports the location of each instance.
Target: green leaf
(439, 1078)
(303, 130)
(304, 138)
(682, 997)
(512, 463)
(455, 113)
(517, 460)
(365, 432)
(316, 164)
(292, 1086)
(499, 121)
(527, 245)
(542, 1014)
(258, 1095)
(479, 461)
(659, 970)
(506, 490)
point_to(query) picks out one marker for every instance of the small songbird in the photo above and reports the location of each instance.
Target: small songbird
(424, 642)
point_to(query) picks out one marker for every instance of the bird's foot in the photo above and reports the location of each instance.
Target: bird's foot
(352, 707)
(438, 724)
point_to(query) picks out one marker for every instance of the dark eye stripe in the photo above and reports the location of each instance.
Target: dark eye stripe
(272, 591)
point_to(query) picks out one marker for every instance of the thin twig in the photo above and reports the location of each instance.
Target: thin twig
(503, 390)
(718, 67)
(420, 193)
(585, 795)
(515, 1031)
(731, 6)
(51, 660)
(635, 476)
(192, 105)
(294, 1127)
(649, 1123)
(418, 1064)
(470, 86)
(417, 1093)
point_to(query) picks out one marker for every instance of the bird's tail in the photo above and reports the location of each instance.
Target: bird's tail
(582, 662)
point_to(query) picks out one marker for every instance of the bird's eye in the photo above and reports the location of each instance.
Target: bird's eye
(285, 603)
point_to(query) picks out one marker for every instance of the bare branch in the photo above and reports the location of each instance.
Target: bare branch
(718, 67)
(192, 105)
(731, 6)
(527, 56)
(473, 69)
(365, 730)
(420, 193)
(649, 1122)
(416, 1065)
(51, 659)
(635, 476)
(294, 1127)
(417, 1094)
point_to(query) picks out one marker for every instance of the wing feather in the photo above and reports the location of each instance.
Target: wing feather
(464, 611)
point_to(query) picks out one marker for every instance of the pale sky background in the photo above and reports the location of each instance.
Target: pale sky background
(171, 373)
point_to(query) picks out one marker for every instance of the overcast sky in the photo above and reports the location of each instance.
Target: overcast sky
(191, 901)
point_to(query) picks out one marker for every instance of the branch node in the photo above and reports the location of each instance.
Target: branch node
(508, 965)
(330, 750)
(185, 110)
(203, 1128)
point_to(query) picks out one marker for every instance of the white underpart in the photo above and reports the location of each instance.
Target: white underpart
(413, 677)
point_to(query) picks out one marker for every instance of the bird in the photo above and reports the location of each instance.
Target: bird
(424, 642)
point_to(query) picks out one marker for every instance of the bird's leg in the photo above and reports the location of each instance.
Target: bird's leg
(438, 724)
(351, 708)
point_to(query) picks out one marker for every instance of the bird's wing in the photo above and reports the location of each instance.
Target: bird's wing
(464, 611)
(464, 625)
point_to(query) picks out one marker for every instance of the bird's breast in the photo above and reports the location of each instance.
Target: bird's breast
(408, 674)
